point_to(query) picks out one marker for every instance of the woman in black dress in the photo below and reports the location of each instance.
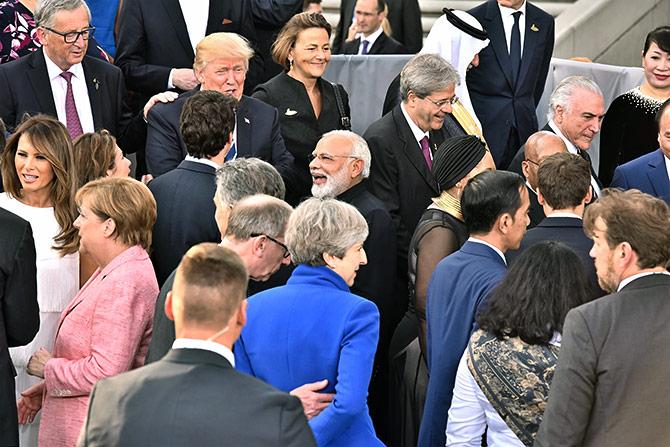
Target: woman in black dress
(307, 104)
(629, 129)
(440, 232)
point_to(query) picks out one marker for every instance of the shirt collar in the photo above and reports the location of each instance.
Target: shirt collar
(632, 278)
(372, 38)
(54, 70)
(571, 147)
(505, 11)
(497, 250)
(206, 345)
(565, 214)
(204, 161)
(416, 130)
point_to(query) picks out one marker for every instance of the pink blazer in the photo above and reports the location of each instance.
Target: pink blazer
(104, 331)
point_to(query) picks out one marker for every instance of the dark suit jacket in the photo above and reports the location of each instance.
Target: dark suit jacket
(647, 173)
(25, 88)
(19, 312)
(258, 135)
(460, 285)
(184, 199)
(536, 211)
(404, 16)
(399, 176)
(192, 397)
(610, 387)
(568, 230)
(383, 45)
(499, 103)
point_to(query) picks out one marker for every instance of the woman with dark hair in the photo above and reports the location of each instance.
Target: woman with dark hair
(504, 375)
(440, 232)
(39, 180)
(629, 128)
(308, 105)
(97, 155)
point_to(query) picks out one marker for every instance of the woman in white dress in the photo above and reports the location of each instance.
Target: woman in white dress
(40, 182)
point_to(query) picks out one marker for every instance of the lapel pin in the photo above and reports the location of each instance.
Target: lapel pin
(534, 28)
(96, 83)
(246, 120)
(226, 22)
(290, 112)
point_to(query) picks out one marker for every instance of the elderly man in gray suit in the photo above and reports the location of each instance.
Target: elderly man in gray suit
(194, 396)
(611, 386)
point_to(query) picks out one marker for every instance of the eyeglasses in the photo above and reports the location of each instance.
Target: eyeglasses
(327, 158)
(443, 102)
(531, 161)
(72, 36)
(286, 252)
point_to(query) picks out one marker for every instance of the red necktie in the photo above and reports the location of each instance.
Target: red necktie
(71, 116)
(425, 148)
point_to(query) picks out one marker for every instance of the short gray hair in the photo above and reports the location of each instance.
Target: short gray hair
(319, 226)
(359, 148)
(47, 9)
(566, 88)
(258, 214)
(243, 177)
(426, 73)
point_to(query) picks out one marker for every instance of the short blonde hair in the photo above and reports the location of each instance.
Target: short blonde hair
(127, 202)
(289, 34)
(319, 226)
(222, 45)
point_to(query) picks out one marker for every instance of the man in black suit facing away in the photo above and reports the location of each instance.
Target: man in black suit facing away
(184, 195)
(194, 396)
(19, 312)
(370, 37)
(507, 85)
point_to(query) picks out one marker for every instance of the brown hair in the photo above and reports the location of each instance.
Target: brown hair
(634, 217)
(210, 283)
(50, 138)
(126, 201)
(289, 34)
(94, 155)
(564, 180)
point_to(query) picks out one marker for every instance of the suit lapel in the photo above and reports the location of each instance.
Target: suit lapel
(93, 86)
(215, 18)
(411, 149)
(244, 136)
(173, 10)
(377, 47)
(658, 176)
(497, 38)
(39, 80)
(529, 44)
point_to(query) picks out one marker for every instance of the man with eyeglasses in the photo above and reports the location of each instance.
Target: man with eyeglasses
(84, 93)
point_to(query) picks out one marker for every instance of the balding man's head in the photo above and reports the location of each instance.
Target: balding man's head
(539, 146)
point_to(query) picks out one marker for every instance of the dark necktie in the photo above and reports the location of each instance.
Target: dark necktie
(425, 149)
(515, 47)
(365, 44)
(71, 116)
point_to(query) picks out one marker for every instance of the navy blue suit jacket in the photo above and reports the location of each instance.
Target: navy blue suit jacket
(647, 173)
(185, 214)
(460, 284)
(499, 103)
(258, 135)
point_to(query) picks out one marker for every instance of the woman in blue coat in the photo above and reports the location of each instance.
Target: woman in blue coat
(314, 328)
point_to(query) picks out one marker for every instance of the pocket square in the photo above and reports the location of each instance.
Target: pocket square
(534, 28)
(290, 112)
(227, 21)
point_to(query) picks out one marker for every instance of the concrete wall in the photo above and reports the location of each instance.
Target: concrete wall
(608, 31)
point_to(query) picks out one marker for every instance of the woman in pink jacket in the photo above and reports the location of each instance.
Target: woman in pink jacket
(106, 328)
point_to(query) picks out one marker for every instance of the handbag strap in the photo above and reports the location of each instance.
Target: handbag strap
(344, 119)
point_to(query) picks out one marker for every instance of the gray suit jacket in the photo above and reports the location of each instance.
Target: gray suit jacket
(192, 397)
(611, 386)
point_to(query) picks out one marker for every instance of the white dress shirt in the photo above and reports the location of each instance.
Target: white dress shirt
(508, 23)
(192, 343)
(667, 165)
(416, 130)
(573, 150)
(493, 247)
(204, 161)
(372, 38)
(79, 91)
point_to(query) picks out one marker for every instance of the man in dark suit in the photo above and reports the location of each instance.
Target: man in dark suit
(495, 206)
(339, 168)
(84, 93)
(650, 173)
(194, 396)
(221, 64)
(611, 387)
(564, 189)
(507, 85)
(184, 195)
(404, 17)
(370, 36)
(576, 110)
(19, 312)
(539, 146)
(403, 141)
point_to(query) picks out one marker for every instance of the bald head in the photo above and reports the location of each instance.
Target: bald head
(539, 146)
(258, 214)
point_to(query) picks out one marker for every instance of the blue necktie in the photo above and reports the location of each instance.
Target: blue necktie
(231, 153)
(515, 47)
(365, 44)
